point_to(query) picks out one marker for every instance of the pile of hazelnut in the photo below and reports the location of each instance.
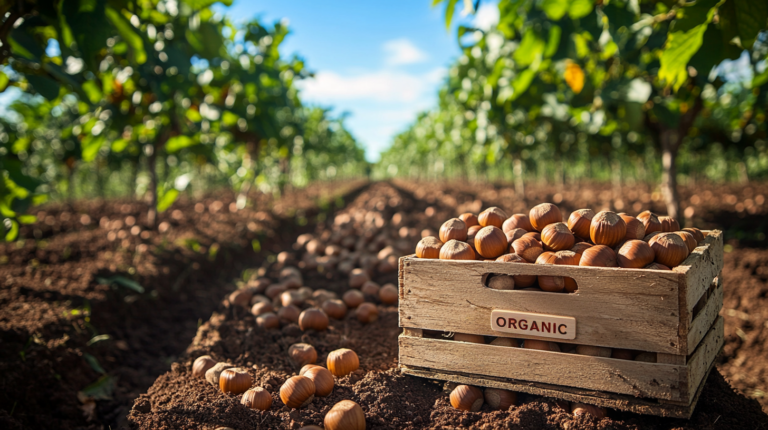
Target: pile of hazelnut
(297, 391)
(603, 239)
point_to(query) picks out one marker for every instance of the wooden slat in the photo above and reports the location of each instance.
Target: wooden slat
(703, 321)
(701, 267)
(670, 359)
(661, 381)
(413, 332)
(620, 308)
(705, 354)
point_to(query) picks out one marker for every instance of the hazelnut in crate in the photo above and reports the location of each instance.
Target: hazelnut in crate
(606, 310)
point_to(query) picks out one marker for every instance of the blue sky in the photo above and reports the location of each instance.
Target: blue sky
(380, 61)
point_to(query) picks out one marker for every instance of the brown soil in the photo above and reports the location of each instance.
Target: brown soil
(52, 304)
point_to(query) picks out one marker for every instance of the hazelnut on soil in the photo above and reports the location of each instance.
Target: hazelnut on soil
(635, 254)
(650, 222)
(302, 353)
(353, 298)
(454, 228)
(490, 242)
(542, 345)
(689, 239)
(267, 321)
(471, 338)
(235, 381)
(579, 409)
(635, 228)
(297, 392)
(357, 278)
(388, 294)
(579, 222)
(370, 288)
(469, 219)
(345, 415)
(241, 297)
(212, 375)
(257, 398)
(322, 378)
(500, 399)
(528, 248)
(306, 368)
(607, 229)
(544, 214)
(201, 365)
(517, 221)
(467, 398)
(275, 290)
(598, 256)
(492, 216)
(314, 319)
(291, 297)
(521, 281)
(261, 308)
(342, 362)
(367, 313)
(594, 351)
(455, 250)
(335, 308)
(670, 249)
(557, 237)
(289, 314)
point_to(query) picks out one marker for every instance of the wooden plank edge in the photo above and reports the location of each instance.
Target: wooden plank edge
(705, 354)
(706, 317)
(696, 267)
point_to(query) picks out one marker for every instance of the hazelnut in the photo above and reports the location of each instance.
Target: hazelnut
(689, 239)
(471, 338)
(650, 222)
(257, 398)
(261, 308)
(649, 237)
(306, 368)
(520, 281)
(543, 257)
(335, 308)
(607, 229)
(314, 319)
(258, 298)
(212, 375)
(370, 288)
(598, 256)
(358, 277)
(455, 250)
(528, 248)
(544, 214)
(534, 234)
(471, 233)
(353, 298)
(505, 341)
(367, 313)
(490, 242)
(669, 248)
(580, 247)
(542, 345)
(697, 234)
(310, 427)
(454, 228)
(657, 266)
(492, 216)
(291, 297)
(469, 219)
(302, 353)
(345, 415)
(579, 409)
(557, 237)
(514, 234)
(267, 321)
(201, 365)
(321, 296)
(556, 284)
(501, 282)
(635, 228)
(635, 254)
(388, 294)
(579, 222)
(314, 247)
(500, 399)
(289, 314)
(467, 398)
(517, 221)
(297, 392)
(594, 351)
(241, 297)
(235, 381)
(275, 290)
(669, 224)
(322, 378)
(342, 362)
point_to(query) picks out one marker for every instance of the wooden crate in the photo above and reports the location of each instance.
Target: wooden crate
(671, 313)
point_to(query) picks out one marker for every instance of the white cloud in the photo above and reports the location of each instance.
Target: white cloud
(381, 85)
(487, 16)
(403, 51)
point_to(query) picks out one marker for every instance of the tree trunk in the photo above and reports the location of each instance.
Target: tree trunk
(669, 146)
(71, 184)
(152, 168)
(519, 183)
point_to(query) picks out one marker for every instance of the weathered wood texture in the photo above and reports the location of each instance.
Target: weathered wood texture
(703, 320)
(658, 389)
(619, 308)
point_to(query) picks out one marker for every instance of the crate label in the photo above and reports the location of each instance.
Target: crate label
(527, 323)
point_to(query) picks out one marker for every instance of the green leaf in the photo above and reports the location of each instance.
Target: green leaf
(90, 147)
(530, 48)
(13, 232)
(761, 79)
(99, 338)
(94, 363)
(128, 33)
(119, 145)
(554, 41)
(580, 8)
(193, 115)
(450, 7)
(122, 282)
(684, 41)
(751, 17)
(46, 87)
(522, 82)
(27, 219)
(24, 44)
(555, 9)
(92, 91)
(101, 389)
(201, 4)
(229, 119)
(15, 173)
(167, 199)
(4, 80)
(178, 143)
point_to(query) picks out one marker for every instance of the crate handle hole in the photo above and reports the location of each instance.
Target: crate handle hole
(544, 284)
